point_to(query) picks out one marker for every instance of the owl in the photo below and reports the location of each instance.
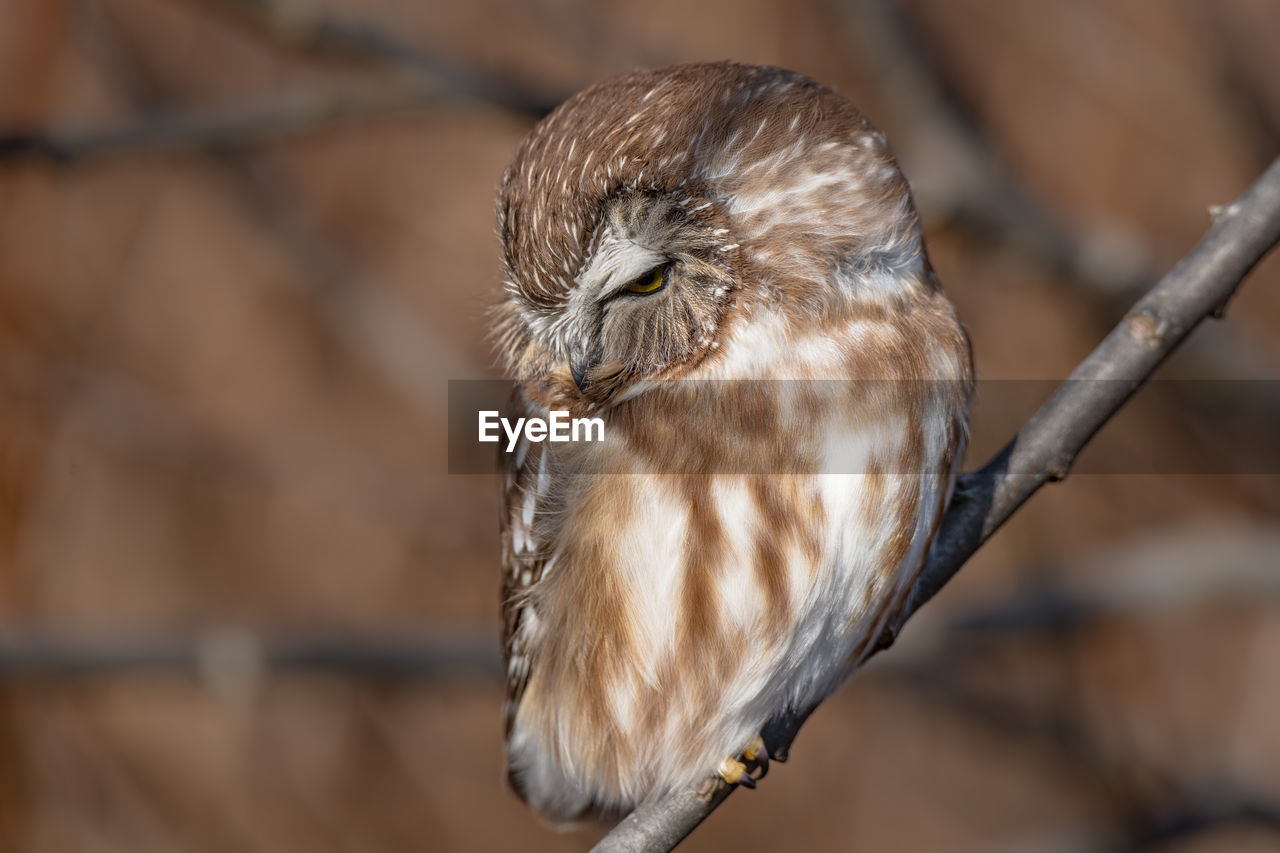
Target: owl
(724, 264)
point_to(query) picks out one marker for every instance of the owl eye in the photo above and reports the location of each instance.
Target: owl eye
(650, 282)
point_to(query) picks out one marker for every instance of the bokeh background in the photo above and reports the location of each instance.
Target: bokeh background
(245, 243)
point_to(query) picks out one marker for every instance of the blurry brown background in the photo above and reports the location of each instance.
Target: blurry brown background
(243, 245)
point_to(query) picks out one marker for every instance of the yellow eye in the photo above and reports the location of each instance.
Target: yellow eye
(647, 283)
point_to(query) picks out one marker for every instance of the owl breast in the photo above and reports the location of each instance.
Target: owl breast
(731, 550)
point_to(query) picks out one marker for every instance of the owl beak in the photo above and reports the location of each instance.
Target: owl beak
(579, 367)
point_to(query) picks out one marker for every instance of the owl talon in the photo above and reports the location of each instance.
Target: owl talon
(756, 755)
(734, 772)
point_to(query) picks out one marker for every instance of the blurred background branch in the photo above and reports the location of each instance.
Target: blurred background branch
(956, 173)
(226, 654)
(1138, 581)
(298, 112)
(294, 26)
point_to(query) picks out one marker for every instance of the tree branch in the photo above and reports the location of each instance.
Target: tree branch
(960, 176)
(1043, 450)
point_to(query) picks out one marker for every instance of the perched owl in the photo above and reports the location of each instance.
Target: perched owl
(723, 263)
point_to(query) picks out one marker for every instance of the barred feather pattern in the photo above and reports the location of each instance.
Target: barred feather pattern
(748, 526)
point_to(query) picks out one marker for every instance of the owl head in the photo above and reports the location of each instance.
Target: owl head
(651, 213)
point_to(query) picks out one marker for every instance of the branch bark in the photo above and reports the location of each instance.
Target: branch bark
(1042, 451)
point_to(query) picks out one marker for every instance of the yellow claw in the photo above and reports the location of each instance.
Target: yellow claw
(735, 772)
(732, 771)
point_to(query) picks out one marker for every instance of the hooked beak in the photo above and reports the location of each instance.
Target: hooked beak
(579, 367)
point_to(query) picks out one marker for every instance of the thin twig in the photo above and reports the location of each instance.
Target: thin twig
(1043, 450)
(222, 651)
(290, 27)
(421, 78)
(958, 175)
(284, 114)
(369, 319)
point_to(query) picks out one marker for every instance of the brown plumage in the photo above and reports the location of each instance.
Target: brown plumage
(723, 262)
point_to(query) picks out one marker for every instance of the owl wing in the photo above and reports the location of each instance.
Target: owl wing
(523, 564)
